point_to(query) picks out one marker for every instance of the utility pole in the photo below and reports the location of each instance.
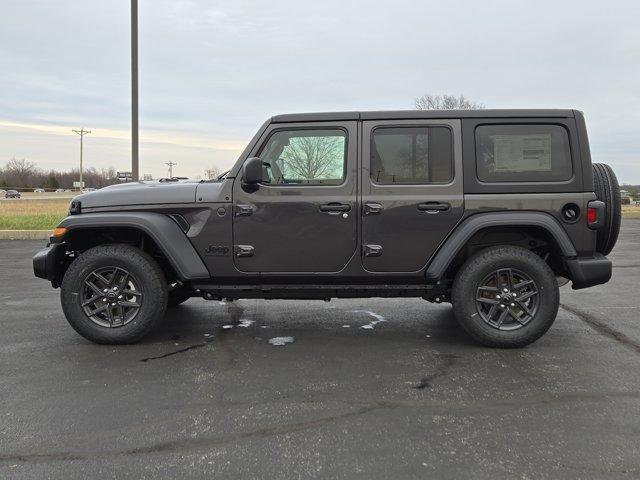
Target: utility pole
(82, 132)
(134, 90)
(171, 165)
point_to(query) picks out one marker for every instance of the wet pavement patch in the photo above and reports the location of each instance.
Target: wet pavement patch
(281, 341)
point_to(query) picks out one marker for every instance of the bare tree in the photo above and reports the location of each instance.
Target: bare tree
(20, 171)
(445, 102)
(313, 157)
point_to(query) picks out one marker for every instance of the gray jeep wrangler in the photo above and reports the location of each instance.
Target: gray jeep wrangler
(490, 210)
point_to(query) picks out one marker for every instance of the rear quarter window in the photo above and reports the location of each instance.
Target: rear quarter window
(523, 153)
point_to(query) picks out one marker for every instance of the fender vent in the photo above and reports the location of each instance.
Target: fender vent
(181, 221)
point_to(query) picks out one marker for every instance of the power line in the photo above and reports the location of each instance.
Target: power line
(171, 165)
(82, 132)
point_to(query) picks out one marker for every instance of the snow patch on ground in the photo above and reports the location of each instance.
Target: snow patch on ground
(377, 319)
(280, 341)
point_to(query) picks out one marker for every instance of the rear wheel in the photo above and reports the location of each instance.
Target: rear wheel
(607, 190)
(114, 294)
(505, 296)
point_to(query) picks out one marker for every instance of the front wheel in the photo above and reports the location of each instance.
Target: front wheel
(505, 296)
(114, 294)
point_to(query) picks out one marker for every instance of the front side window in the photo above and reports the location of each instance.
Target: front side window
(523, 153)
(411, 155)
(308, 157)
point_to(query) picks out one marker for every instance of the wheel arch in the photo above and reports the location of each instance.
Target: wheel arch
(538, 225)
(164, 233)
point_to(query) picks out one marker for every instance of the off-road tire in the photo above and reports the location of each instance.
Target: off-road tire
(607, 190)
(177, 296)
(482, 264)
(151, 282)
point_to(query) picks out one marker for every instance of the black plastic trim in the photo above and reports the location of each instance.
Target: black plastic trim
(587, 272)
(46, 261)
(475, 223)
(164, 231)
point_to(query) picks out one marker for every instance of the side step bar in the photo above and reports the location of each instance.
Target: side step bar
(319, 292)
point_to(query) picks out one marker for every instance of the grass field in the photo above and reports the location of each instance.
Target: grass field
(46, 214)
(32, 214)
(630, 211)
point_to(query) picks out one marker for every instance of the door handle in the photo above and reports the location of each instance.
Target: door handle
(371, 208)
(371, 250)
(335, 207)
(433, 207)
(243, 210)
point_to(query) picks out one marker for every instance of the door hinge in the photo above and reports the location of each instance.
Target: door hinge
(243, 250)
(243, 210)
(371, 208)
(372, 250)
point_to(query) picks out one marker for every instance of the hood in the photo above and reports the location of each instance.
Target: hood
(141, 193)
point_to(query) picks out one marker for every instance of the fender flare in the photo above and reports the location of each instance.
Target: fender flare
(467, 228)
(163, 230)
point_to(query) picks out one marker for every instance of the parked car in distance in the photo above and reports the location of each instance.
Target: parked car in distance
(489, 210)
(89, 189)
(12, 194)
(2, 192)
(39, 190)
(61, 190)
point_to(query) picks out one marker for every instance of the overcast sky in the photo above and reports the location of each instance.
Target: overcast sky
(212, 71)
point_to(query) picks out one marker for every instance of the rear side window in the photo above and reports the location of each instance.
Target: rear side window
(411, 155)
(523, 153)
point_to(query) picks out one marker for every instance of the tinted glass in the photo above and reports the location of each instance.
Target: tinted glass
(523, 153)
(411, 155)
(312, 157)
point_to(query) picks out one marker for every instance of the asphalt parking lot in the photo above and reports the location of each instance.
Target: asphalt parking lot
(366, 389)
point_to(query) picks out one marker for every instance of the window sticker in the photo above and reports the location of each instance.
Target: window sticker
(516, 153)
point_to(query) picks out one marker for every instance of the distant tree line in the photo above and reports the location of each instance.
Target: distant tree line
(21, 174)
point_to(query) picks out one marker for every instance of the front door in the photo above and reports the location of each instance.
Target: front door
(303, 217)
(412, 191)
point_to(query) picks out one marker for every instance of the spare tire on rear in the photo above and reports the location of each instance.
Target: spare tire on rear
(606, 188)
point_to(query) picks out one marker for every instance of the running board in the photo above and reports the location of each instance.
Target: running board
(317, 292)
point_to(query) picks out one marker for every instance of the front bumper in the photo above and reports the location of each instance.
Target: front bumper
(587, 272)
(47, 261)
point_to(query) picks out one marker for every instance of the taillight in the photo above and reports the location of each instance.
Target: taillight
(595, 214)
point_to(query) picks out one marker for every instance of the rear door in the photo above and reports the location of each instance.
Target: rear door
(412, 191)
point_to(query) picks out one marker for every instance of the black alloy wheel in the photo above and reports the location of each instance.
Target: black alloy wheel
(507, 299)
(111, 297)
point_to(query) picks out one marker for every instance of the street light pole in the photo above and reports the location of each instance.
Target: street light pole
(134, 90)
(82, 132)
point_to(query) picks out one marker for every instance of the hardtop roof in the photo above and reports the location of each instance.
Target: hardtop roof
(419, 114)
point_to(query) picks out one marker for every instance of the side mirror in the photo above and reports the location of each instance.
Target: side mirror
(252, 171)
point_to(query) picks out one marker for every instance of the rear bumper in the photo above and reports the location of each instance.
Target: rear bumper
(46, 261)
(587, 272)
